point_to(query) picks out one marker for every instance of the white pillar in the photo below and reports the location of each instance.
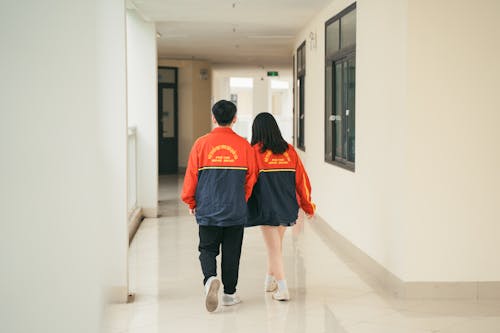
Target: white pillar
(113, 141)
(63, 142)
(261, 96)
(142, 107)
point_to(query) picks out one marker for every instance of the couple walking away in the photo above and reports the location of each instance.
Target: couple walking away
(230, 184)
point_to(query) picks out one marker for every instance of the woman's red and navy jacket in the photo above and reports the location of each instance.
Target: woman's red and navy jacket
(282, 187)
(220, 175)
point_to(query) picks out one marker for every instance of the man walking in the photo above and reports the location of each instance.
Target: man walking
(220, 175)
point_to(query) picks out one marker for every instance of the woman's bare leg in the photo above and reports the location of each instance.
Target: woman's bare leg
(273, 241)
(281, 232)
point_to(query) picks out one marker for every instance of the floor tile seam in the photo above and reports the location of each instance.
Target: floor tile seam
(397, 322)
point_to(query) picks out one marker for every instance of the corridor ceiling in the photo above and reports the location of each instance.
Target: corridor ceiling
(255, 32)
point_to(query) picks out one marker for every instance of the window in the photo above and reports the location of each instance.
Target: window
(241, 82)
(301, 88)
(340, 88)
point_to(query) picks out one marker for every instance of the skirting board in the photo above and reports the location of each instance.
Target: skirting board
(117, 295)
(134, 219)
(379, 277)
(150, 212)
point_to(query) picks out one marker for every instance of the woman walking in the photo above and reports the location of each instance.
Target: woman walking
(282, 187)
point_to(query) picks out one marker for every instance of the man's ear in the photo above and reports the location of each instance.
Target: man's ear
(214, 120)
(234, 119)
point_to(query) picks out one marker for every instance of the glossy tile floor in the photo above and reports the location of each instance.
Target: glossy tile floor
(327, 294)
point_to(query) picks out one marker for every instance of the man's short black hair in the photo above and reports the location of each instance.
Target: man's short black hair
(224, 112)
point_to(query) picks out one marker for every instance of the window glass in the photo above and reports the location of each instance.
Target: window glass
(350, 82)
(348, 29)
(300, 96)
(241, 82)
(168, 113)
(338, 127)
(301, 103)
(303, 51)
(332, 37)
(166, 75)
(329, 113)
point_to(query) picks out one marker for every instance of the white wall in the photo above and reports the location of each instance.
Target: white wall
(261, 95)
(56, 127)
(365, 206)
(193, 102)
(282, 109)
(453, 140)
(245, 110)
(113, 141)
(202, 91)
(421, 201)
(142, 85)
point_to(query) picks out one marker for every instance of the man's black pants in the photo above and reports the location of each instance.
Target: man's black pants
(211, 239)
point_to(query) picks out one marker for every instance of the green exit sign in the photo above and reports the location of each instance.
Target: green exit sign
(272, 73)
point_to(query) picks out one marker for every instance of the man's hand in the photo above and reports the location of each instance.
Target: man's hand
(192, 211)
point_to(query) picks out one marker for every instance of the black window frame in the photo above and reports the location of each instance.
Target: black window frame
(342, 54)
(299, 84)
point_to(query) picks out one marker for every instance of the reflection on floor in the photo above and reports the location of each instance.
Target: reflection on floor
(327, 296)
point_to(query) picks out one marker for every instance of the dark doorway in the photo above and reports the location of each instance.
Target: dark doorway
(168, 154)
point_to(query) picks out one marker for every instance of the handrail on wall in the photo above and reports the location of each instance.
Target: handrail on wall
(132, 170)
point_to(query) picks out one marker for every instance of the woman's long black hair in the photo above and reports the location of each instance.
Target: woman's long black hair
(265, 130)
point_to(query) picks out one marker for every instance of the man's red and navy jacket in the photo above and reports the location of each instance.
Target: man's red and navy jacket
(220, 175)
(282, 187)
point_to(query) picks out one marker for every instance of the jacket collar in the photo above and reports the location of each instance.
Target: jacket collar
(222, 130)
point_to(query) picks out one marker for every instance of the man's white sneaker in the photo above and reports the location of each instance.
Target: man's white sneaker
(228, 300)
(281, 295)
(212, 293)
(270, 284)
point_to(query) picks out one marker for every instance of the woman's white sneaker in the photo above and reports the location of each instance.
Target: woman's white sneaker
(228, 299)
(281, 295)
(212, 293)
(270, 283)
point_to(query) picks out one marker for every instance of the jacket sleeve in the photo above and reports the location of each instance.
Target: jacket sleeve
(191, 179)
(303, 188)
(252, 173)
